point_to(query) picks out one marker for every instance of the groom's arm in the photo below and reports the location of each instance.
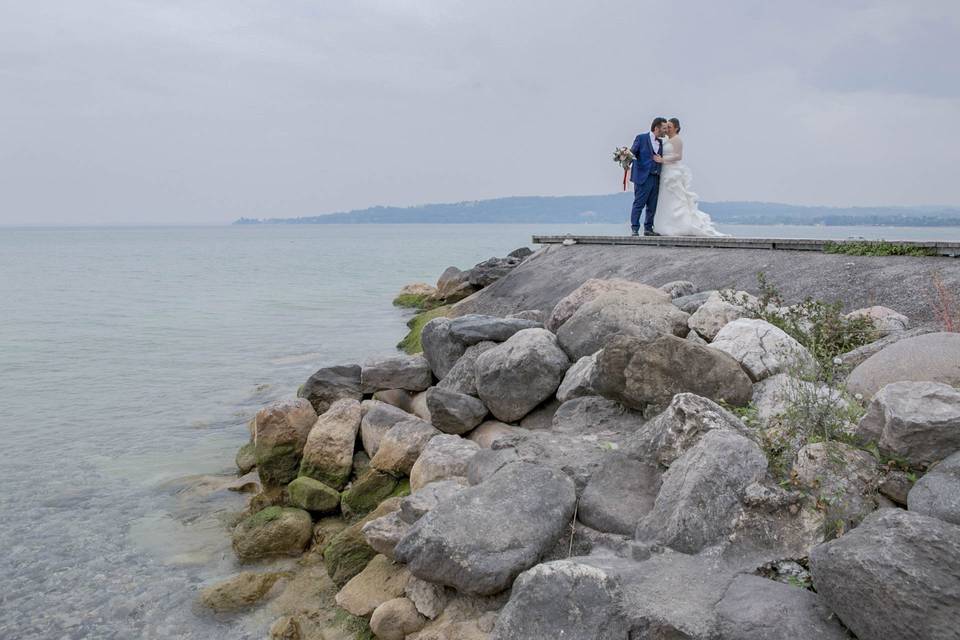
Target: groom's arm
(635, 149)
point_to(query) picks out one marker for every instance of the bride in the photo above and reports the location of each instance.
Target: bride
(677, 212)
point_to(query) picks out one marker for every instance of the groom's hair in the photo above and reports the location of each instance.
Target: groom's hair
(657, 122)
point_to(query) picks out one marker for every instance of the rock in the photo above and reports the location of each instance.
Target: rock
(895, 576)
(678, 289)
(489, 271)
(329, 384)
(522, 253)
(535, 315)
(394, 397)
(454, 285)
(281, 430)
(695, 338)
(595, 415)
(272, 531)
(716, 313)
(412, 373)
(428, 598)
(773, 398)
(619, 494)
(246, 459)
(395, 619)
(680, 426)
(462, 378)
(593, 288)
(440, 348)
(401, 446)
(635, 314)
(444, 456)
(347, 552)
(419, 406)
(474, 328)
(481, 541)
(489, 432)
(917, 421)
(487, 462)
(238, 592)
(328, 453)
(841, 477)
(286, 628)
(378, 419)
(464, 618)
(755, 608)
(516, 376)
(699, 501)
(453, 412)
(367, 491)
(636, 372)
(563, 599)
(690, 303)
(884, 320)
(312, 495)
(934, 357)
(380, 580)
(896, 486)
(853, 358)
(761, 348)
(578, 380)
(424, 499)
(542, 416)
(937, 494)
(384, 533)
(324, 530)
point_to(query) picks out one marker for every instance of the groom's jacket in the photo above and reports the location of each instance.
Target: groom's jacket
(643, 152)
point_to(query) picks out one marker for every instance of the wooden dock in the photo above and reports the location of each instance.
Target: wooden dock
(949, 249)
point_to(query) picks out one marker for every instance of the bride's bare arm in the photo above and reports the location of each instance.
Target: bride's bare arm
(677, 154)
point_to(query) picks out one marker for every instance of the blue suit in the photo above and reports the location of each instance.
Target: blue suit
(645, 176)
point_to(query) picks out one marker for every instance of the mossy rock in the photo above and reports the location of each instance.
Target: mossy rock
(273, 531)
(414, 301)
(411, 343)
(348, 553)
(402, 489)
(246, 459)
(369, 490)
(322, 473)
(313, 495)
(278, 465)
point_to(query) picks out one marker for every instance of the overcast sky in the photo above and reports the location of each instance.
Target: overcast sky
(206, 110)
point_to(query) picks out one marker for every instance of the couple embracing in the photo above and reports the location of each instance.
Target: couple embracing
(661, 185)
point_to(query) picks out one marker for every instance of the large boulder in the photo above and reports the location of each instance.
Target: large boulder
(424, 499)
(401, 446)
(440, 348)
(896, 576)
(412, 373)
(473, 328)
(841, 478)
(462, 377)
(380, 580)
(280, 431)
(593, 288)
(579, 379)
(718, 311)
(454, 285)
(489, 271)
(312, 495)
(329, 384)
(516, 376)
(445, 456)
(755, 608)
(453, 412)
(563, 599)
(638, 372)
(635, 313)
(917, 421)
(933, 357)
(699, 502)
(328, 452)
(619, 494)
(851, 359)
(481, 541)
(937, 494)
(378, 418)
(761, 348)
(274, 531)
(883, 319)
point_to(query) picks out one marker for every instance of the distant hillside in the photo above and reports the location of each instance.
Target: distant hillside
(613, 208)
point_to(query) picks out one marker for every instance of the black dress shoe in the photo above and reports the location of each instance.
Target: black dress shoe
(650, 233)
(634, 233)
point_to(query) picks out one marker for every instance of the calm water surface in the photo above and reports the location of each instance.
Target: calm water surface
(130, 362)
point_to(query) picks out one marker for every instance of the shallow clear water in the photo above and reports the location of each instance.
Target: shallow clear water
(131, 360)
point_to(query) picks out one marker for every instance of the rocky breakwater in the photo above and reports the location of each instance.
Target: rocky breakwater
(653, 463)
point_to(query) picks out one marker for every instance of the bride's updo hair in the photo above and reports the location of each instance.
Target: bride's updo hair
(676, 124)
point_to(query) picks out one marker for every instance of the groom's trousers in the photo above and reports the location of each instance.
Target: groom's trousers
(645, 194)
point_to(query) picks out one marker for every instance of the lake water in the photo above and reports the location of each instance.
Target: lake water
(131, 360)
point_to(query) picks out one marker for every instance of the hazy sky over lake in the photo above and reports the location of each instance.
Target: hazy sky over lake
(125, 111)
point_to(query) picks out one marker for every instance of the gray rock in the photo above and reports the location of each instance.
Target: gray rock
(593, 288)
(481, 541)
(429, 599)
(474, 328)
(383, 534)
(522, 253)
(699, 501)
(280, 431)
(755, 608)
(884, 320)
(401, 446)
(414, 506)
(595, 416)
(396, 372)
(843, 478)
(535, 315)
(395, 397)
(774, 396)
(716, 312)
(329, 384)
(690, 303)
(445, 456)
(934, 357)
(578, 380)
(328, 451)
(454, 285)
(378, 418)
(488, 461)
(937, 494)
(853, 358)
(489, 271)
(636, 372)
(634, 314)
(895, 576)
(489, 432)
(542, 416)
(440, 348)
(762, 349)
(680, 426)
(679, 289)
(918, 421)
(619, 494)
(695, 338)
(896, 486)
(462, 377)
(453, 412)
(563, 599)
(516, 376)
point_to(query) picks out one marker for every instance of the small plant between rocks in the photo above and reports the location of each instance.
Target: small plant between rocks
(878, 248)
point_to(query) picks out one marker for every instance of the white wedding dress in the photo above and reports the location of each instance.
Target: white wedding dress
(677, 211)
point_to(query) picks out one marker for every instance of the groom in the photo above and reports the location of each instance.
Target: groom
(645, 175)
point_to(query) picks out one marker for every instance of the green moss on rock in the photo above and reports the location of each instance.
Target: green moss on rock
(411, 343)
(313, 495)
(368, 491)
(246, 459)
(279, 464)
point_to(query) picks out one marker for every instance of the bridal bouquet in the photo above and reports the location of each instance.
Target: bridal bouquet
(624, 157)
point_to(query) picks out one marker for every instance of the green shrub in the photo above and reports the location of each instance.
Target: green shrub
(877, 248)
